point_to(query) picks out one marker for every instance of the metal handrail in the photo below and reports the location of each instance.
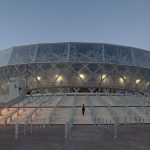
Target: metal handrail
(128, 108)
(51, 113)
(113, 113)
(92, 109)
(73, 107)
(35, 110)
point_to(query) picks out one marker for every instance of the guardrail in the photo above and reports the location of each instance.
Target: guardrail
(39, 124)
(141, 103)
(123, 101)
(108, 126)
(112, 128)
(34, 111)
(24, 129)
(51, 114)
(111, 110)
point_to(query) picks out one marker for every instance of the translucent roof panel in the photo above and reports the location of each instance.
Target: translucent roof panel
(118, 55)
(75, 52)
(5, 56)
(23, 54)
(52, 52)
(85, 52)
(142, 58)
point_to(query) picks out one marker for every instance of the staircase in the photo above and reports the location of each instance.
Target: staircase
(79, 118)
(61, 115)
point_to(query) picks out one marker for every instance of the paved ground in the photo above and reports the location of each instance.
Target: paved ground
(83, 137)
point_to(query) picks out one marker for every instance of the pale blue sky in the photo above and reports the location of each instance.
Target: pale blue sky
(122, 22)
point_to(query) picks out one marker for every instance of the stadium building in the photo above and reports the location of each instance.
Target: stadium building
(51, 84)
(76, 67)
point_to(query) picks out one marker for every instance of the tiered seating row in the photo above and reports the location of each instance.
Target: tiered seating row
(57, 109)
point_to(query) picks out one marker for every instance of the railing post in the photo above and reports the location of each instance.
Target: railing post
(136, 121)
(5, 124)
(115, 130)
(139, 121)
(16, 130)
(66, 131)
(49, 121)
(36, 126)
(98, 122)
(95, 120)
(143, 122)
(24, 131)
(43, 122)
(110, 126)
(31, 127)
(130, 122)
(40, 123)
(125, 121)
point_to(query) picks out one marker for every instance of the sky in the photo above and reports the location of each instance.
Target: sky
(121, 22)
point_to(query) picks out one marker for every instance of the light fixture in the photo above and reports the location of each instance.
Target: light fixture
(38, 78)
(58, 78)
(103, 76)
(82, 76)
(137, 81)
(124, 77)
(121, 80)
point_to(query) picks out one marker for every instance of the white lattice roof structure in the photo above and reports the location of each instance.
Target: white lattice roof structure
(75, 66)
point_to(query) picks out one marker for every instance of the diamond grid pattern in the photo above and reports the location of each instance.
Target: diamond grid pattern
(60, 64)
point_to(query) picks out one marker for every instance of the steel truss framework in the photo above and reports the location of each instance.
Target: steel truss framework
(77, 67)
